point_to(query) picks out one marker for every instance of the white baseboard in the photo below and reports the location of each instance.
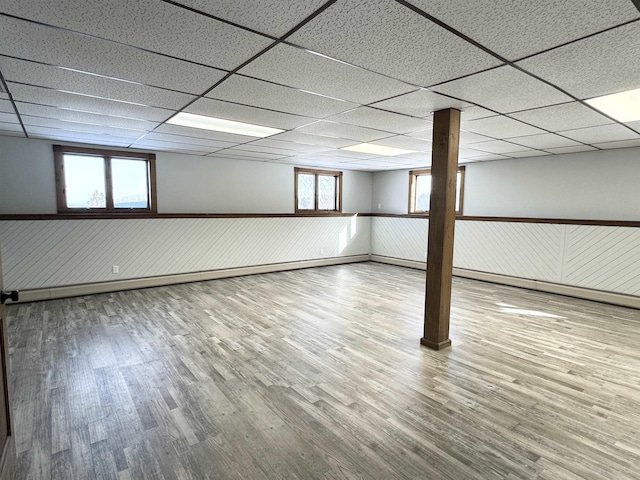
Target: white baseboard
(159, 281)
(542, 286)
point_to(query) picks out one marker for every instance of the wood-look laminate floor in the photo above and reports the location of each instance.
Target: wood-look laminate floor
(319, 373)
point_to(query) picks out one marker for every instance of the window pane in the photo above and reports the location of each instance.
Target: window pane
(130, 183)
(326, 192)
(84, 181)
(423, 192)
(306, 191)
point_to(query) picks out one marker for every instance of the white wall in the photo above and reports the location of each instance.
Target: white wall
(185, 183)
(599, 185)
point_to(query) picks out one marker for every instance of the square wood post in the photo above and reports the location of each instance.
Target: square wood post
(442, 217)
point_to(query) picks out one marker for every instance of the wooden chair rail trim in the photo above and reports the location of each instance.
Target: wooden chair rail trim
(118, 216)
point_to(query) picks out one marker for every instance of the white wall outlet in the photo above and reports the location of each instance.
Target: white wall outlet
(115, 269)
(379, 206)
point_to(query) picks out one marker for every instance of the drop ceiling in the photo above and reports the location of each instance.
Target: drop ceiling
(332, 74)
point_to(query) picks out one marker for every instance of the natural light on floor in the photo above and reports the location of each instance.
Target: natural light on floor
(506, 308)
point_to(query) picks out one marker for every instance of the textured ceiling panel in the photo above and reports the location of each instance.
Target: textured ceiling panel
(44, 96)
(76, 82)
(272, 17)
(8, 118)
(241, 151)
(599, 65)
(516, 28)
(504, 90)
(419, 103)
(406, 143)
(280, 152)
(619, 144)
(80, 127)
(301, 69)
(498, 146)
(11, 129)
(601, 134)
(468, 137)
(162, 145)
(528, 153)
(203, 142)
(46, 111)
(499, 127)
(197, 132)
(274, 142)
(81, 137)
(263, 94)
(340, 130)
(544, 141)
(373, 118)
(149, 24)
(559, 117)
(58, 47)
(474, 113)
(389, 38)
(5, 106)
(426, 134)
(579, 148)
(317, 140)
(241, 113)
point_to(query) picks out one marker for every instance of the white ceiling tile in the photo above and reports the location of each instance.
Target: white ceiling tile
(500, 127)
(272, 17)
(77, 82)
(618, 144)
(474, 113)
(80, 127)
(171, 146)
(340, 130)
(11, 129)
(578, 148)
(389, 38)
(57, 113)
(319, 142)
(420, 103)
(311, 162)
(635, 125)
(241, 113)
(426, 134)
(225, 155)
(181, 139)
(346, 155)
(498, 146)
(7, 117)
(301, 69)
(152, 25)
(62, 48)
(406, 143)
(544, 141)
(280, 152)
(601, 134)
(3, 96)
(562, 117)
(371, 165)
(240, 151)
(80, 137)
(259, 93)
(292, 146)
(200, 133)
(6, 107)
(528, 153)
(515, 28)
(54, 98)
(467, 138)
(599, 65)
(386, 121)
(504, 89)
(485, 157)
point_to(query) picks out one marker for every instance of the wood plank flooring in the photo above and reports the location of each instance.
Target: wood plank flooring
(319, 373)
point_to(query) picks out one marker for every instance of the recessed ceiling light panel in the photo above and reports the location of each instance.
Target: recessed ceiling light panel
(221, 125)
(623, 106)
(377, 149)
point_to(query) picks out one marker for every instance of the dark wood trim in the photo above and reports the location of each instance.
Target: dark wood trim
(108, 184)
(132, 216)
(413, 180)
(153, 190)
(442, 207)
(60, 193)
(460, 210)
(554, 221)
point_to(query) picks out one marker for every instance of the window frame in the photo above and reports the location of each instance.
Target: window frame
(327, 173)
(58, 154)
(413, 179)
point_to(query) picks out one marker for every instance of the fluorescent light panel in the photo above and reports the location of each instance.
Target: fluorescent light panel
(624, 106)
(220, 125)
(377, 149)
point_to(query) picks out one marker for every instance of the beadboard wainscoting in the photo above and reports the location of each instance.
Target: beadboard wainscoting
(48, 257)
(590, 261)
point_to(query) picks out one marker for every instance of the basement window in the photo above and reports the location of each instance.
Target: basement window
(93, 181)
(420, 190)
(318, 191)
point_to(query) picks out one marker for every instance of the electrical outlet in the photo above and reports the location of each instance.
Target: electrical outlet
(115, 269)
(379, 206)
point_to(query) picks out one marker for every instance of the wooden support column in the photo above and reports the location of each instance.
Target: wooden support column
(442, 217)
